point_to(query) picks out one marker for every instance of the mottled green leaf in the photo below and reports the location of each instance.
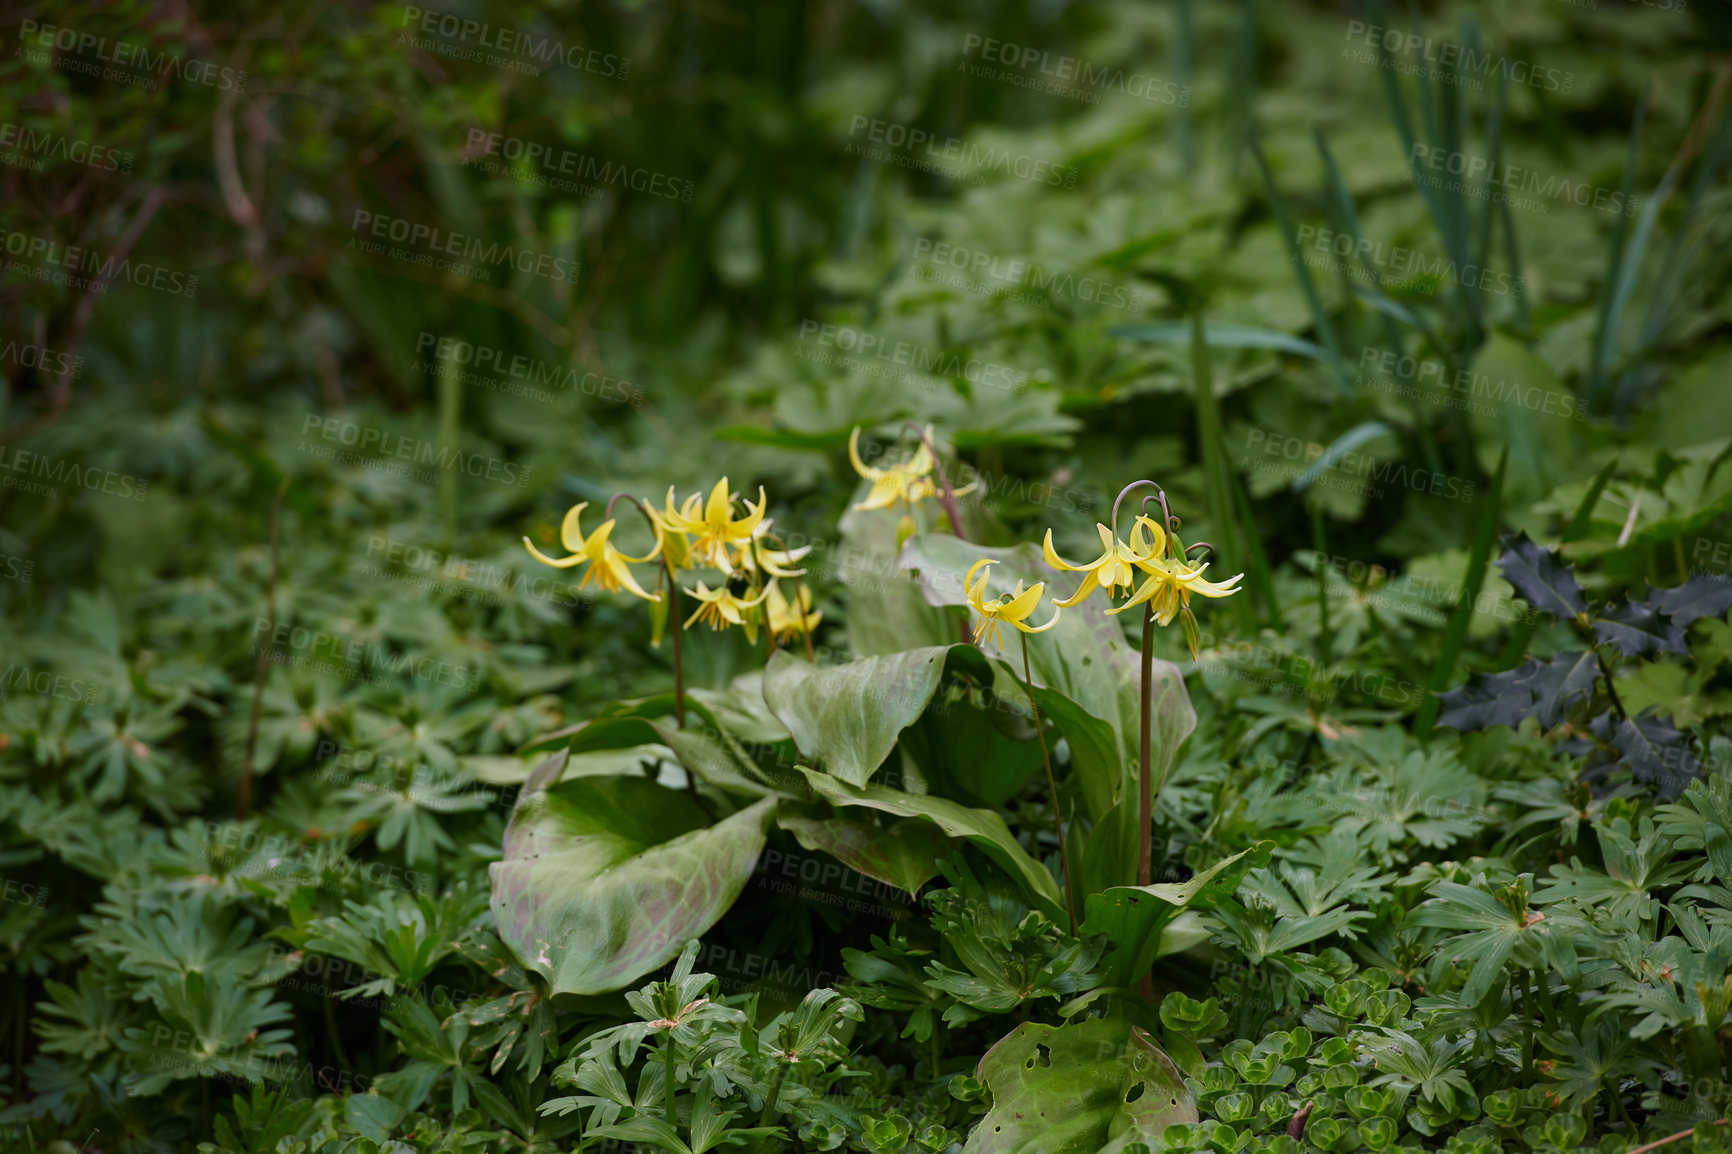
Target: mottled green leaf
(904, 854)
(604, 879)
(980, 826)
(1092, 1087)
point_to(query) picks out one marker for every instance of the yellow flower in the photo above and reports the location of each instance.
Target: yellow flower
(905, 482)
(713, 527)
(754, 555)
(1117, 564)
(791, 619)
(1170, 585)
(607, 565)
(722, 608)
(1011, 608)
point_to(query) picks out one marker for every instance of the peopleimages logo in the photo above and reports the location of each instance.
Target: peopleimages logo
(36, 40)
(368, 440)
(587, 171)
(968, 163)
(1060, 70)
(495, 45)
(1471, 169)
(1458, 61)
(45, 258)
(439, 243)
(486, 359)
(865, 350)
(30, 149)
(975, 268)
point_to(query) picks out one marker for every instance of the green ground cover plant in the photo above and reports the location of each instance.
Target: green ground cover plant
(1026, 579)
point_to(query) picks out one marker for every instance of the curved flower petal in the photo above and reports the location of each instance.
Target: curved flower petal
(565, 563)
(1039, 628)
(1022, 602)
(860, 466)
(570, 533)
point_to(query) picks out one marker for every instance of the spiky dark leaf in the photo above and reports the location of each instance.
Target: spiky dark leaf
(1558, 684)
(1638, 630)
(1704, 595)
(1541, 578)
(1489, 699)
(1657, 753)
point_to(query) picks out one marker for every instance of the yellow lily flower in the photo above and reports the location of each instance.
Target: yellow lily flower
(905, 482)
(754, 555)
(722, 608)
(1170, 586)
(1117, 564)
(791, 619)
(1011, 608)
(713, 527)
(607, 565)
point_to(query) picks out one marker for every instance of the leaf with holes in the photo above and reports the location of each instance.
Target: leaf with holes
(1093, 1087)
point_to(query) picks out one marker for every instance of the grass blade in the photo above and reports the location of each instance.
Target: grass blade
(1221, 336)
(1455, 633)
(1339, 448)
(1215, 461)
(1578, 525)
(1319, 318)
(1611, 308)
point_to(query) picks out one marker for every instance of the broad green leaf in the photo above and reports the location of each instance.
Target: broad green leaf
(886, 612)
(904, 854)
(1092, 1087)
(1133, 917)
(1520, 404)
(846, 718)
(971, 754)
(981, 826)
(604, 879)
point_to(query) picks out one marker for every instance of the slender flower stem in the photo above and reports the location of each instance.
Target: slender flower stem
(1051, 788)
(676, 628)
(1145, 779)
(769, 1110)
(1125, 492)
(674, 624)
(668, 1083)
(949, 494)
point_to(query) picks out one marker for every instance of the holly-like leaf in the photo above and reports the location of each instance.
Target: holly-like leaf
(1637, 630)
(1656, 752)
(1704, 595)
(1541, 578)
(1490, 699)
(1558, 684)
(1093, 1087)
